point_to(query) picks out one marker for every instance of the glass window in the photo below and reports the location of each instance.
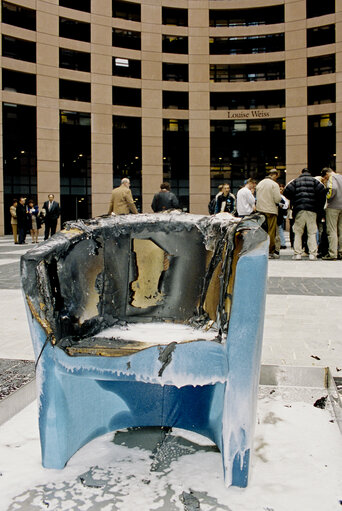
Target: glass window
(19, 155)
(126, 96)
(127, 154)
(247, 100)
(126, 10)
(78, 5)
(319, 36)
(20, 49)
(73, 29)
(322, 65)
(175, 99)
(175, 44)
(17, 81)
(175, 16)
(319, 8)
(126, 67)
(246, 44)
(126, 39)
(175, 72)
(19, 16)
(321, 142)
(246, 17)
(241, 148)
(176, 158)
(75, 165)
(319, 94)
(72, 59)
(76, 91)
(247, 72)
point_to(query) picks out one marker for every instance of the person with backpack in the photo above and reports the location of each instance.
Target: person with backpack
(225, 202)
(212, 203)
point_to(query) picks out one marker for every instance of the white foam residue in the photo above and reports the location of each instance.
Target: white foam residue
(296, 466)
(158, 333)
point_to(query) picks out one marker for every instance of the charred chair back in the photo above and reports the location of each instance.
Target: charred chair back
(148, 320)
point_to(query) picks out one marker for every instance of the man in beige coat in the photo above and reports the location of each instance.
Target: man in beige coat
(267, 200)
(122, 201)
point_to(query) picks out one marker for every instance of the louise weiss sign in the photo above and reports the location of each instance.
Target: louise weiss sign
(248, 115)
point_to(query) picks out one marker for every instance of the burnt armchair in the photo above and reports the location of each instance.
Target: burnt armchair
(148, 320)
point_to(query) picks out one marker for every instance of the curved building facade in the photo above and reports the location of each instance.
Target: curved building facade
(194, 92)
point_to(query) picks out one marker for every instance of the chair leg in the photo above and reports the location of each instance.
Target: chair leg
(77, 409)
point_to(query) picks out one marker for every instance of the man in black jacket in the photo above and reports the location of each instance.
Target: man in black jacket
(22, 220)
(52, 213)
(164, 200)
(307, 197)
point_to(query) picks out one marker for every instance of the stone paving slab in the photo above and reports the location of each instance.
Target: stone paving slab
(9, 276)
(14, 374)
(304, 286)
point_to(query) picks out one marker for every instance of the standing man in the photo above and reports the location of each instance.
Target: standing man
(333, 183)
(14, 221)
(307, 197)
(245, 200)
(22, 220)
(52, 212)
(267, 200)
(121, 202)
(164, 200)
(225, 202)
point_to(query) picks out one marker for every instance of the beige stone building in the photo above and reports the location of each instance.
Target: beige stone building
(195, 92)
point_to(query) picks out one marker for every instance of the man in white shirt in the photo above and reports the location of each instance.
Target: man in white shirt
(245, 199)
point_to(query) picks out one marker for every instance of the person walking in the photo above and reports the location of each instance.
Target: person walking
(14, 221)
(333, 183)
(52, 212)
(164, 199)
(121, 202)
(225, 202)
(307, 197)
(245, 200)
(267, 200)
(22, 220)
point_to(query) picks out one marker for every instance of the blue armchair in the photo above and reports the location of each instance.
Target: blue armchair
(148, 320)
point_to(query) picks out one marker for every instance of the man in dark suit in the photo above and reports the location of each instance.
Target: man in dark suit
(52, 212)
(22, 220)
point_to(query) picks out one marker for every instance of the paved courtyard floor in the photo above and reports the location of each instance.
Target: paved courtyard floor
(297, 462)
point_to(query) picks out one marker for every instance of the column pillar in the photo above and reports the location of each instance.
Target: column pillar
(101, 106)
(151, 103)
(199, 106)
(296, 88)
(48, 172)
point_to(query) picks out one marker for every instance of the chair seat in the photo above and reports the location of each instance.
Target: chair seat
(129, 338)
(158, 352)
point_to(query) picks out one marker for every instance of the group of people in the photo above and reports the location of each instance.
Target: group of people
(314, 205)
(315, 208)
(26, 218)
